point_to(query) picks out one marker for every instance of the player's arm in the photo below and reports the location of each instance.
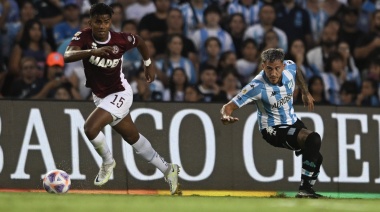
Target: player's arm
(149, 71)
(307, 99)
(75, 53)
(226, 113)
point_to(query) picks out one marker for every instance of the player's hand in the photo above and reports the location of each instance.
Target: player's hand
(226, 119)
(103, 51)
(149, 73)
(308, 101)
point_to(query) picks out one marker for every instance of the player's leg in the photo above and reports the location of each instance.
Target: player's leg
(92, 128)
(127, 129)
(310, 143)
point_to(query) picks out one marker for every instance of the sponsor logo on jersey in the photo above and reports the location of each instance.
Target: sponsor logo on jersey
(103, 62)
(282, 101)
(273, 93)
(94, 45)
(290, 84)
(131, 39)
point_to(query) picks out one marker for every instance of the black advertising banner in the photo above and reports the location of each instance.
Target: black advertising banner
(38, 136)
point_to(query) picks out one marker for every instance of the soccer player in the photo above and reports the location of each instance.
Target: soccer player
(101, 52)
(272, 91)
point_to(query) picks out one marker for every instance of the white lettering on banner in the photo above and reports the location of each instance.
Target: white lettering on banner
(1, 153)
(128, 156)
(297, 161)
(343, 147)
(248, 154)
(34, 121)
(77, 123)
(210, 143)
(377, 118)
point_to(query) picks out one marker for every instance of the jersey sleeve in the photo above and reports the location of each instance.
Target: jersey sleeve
(131, 40)
(249, 93)
(78, 39)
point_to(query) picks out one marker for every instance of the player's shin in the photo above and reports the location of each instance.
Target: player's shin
(143, 148)
(101, 147)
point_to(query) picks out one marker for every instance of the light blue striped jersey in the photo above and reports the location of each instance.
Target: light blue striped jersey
(274, 103)
(251, 13)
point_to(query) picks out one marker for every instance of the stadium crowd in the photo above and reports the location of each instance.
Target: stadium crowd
(202, 50)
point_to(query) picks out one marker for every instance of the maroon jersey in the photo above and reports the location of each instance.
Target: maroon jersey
(104, 74)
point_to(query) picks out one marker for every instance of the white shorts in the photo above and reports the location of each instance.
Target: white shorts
(117, 104)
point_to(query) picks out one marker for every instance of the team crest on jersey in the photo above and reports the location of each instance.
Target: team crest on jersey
(115, 49)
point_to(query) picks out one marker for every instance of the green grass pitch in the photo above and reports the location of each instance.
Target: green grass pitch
(27, 201)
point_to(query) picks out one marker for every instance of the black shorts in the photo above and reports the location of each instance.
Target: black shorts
(284, 136)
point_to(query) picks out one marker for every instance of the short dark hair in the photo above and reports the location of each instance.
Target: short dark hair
(272, 55)
(101, 9)
(129, 21)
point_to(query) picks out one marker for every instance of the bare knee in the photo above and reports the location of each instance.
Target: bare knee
(131, 139)
(91, 131)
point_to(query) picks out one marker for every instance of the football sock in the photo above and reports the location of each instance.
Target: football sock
(101, 147)
(144, 148)
(311, 160)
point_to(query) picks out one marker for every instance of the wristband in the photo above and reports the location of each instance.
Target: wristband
(147, 62)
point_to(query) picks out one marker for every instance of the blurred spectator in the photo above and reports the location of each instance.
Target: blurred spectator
(334, 23)
(333, 7)
(318, 18)
(50, 14)
(31, 44)
(271, 40)
(349, 31)
(193, 15)
(177, 85)
(247, 65)
(368, 95)
(144, 91)
(174, 23)
(192, 94)
(334, 77)
(139, 9)
(213, 50)
(29, 85)
(13, 30)
(317, 90)
(348, 92)
(297, 53)
(117, 17)
(212, 15)
(294, 21)
(208, 86)
(230, 85)
(133, 55)
(373, 72)
(236, 28)
(174, 59)
(364, 19)
(249, 9)
(55, 77)
(318, 55)
(84, 23)
(138, 64)
(154, 24)
(10, 10)
(85, 5)
(62, 92)
(69, 26)
(267, 18)
(352, 72)
(368, 47)
(227, 61)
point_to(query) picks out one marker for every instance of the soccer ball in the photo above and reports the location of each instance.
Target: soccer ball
(56, 182)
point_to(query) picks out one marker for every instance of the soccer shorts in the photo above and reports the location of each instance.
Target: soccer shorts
(284, 136)
(117, 104)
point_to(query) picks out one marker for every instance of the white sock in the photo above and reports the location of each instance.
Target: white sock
(145, 149)
(101, 147)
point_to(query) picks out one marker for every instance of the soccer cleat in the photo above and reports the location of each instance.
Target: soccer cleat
(308, 193)
(104, 173)
(172, 178)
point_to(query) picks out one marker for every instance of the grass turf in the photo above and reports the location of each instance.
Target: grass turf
(107, 202)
